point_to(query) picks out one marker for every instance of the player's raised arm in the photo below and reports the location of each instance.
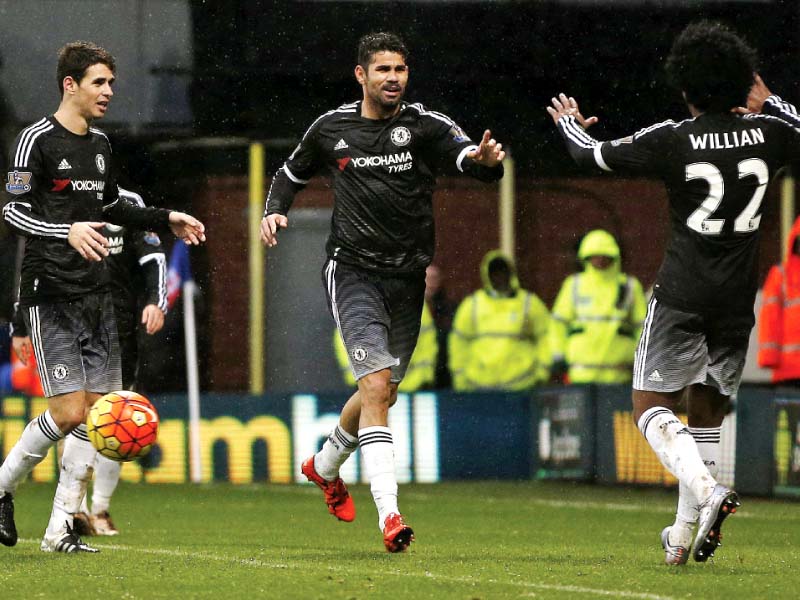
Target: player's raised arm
(583, 148)
(759, 92)
(762, 100)
(488, 153)
(636, 154)
(567, 106)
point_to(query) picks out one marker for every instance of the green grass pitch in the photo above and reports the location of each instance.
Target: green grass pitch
(478, 540)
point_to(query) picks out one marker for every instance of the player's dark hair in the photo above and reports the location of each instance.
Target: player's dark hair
(712, 65)
(381, 41)
(74, 58)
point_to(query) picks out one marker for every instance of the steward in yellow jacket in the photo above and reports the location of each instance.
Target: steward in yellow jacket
(598, 316)
(499, 335)
(421, 371)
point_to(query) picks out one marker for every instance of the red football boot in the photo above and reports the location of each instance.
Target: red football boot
(340, 503)
(397, 536)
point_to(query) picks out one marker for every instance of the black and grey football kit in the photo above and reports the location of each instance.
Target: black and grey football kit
(382, 231)
(137, 266)
(716, 168)
(59, 178)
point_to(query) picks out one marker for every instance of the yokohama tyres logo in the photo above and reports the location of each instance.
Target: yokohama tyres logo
(88, 185)
(399, 161)
(384, 160)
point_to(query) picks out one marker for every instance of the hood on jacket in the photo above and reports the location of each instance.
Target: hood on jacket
(793, 241)
(486, 263)
(599, 242)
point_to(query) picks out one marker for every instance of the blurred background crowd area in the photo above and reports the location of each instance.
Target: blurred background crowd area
(199, 80)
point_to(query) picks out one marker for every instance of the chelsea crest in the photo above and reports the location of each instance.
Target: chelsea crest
(401, 136)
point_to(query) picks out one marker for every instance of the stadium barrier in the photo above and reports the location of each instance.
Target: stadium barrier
(574, 432)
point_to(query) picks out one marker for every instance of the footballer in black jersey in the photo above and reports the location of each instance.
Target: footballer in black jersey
(383, 154)
(716, 166)
(137, 269)
(62, 191)
(384, 172)
(137, 278)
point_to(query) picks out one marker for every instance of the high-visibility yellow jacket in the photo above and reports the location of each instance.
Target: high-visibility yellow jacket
(421, 370)
(499, 341)
(598, 316)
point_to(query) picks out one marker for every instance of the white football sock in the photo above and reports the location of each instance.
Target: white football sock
(707, 440)
(708, 446)
(676, 449)
(76, 470)
(336, 449)
(686, 516)
(106, 478)
(377, 450)
(31, 449)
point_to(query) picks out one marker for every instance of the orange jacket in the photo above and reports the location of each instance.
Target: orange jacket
(779, 319)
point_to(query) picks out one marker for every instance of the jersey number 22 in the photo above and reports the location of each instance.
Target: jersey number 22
(747, 220)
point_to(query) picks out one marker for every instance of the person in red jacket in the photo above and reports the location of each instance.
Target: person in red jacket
(779, 319)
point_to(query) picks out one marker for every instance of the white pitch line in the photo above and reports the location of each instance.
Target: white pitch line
(641, 508)
(253, 562)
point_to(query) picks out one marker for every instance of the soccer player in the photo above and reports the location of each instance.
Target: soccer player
(383, 154)
(62, 192)
(137, 268)
(716, 166)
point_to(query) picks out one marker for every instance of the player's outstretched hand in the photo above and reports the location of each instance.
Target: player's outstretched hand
(489, 153)
(269, 228)
(23, 348)
(152, 319)
(564, 106)
(90, 243)
(187, 228)
(759, 92)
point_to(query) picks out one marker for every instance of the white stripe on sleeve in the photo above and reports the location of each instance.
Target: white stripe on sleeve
(598, 157)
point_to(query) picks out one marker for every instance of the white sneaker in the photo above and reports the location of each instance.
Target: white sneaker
(673, 555)
(721, 503)
(70, 543)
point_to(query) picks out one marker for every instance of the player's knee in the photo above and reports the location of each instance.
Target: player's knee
(392, 394)
(375, 389)
(70, 419)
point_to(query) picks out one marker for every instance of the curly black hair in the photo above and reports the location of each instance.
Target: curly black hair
(381, 41)
(712, 66)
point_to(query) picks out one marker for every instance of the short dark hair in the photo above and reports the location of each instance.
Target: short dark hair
(74, 58)
(381, 41)
(712, 65)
